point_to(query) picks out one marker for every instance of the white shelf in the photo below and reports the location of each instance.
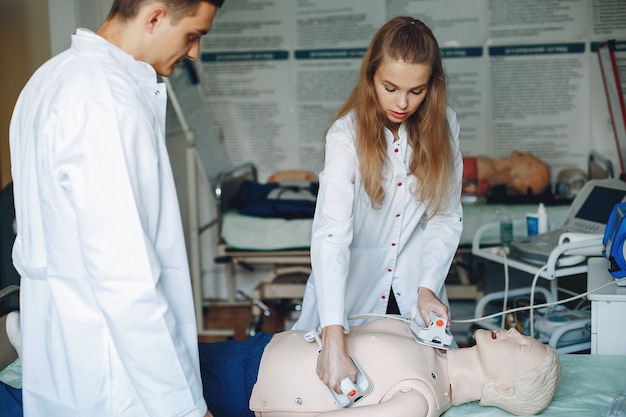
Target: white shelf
(487, 253)
(551, 270)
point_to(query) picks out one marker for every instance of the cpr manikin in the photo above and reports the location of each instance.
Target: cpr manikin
(504, 369)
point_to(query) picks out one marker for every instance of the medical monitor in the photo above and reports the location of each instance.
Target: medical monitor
(593, 204)
(588, 213)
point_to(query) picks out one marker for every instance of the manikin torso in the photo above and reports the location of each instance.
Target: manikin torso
(288, 384)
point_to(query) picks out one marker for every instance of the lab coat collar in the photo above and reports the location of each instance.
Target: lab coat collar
(401, 136)
(85, 41)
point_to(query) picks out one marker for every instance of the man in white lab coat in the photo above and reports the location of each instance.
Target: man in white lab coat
(107, 311)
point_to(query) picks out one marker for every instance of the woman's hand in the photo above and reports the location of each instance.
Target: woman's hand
(427, 302)
(333, 362)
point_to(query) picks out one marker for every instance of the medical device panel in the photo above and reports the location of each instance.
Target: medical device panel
(435, 335)
(588, 214)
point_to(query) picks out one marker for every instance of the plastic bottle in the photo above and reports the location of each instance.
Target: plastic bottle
(542, 217)
(506, 229)
(537, 223)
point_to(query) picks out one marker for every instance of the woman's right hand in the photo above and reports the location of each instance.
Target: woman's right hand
(333, 362)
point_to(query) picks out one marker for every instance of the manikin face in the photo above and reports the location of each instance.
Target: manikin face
(400, 89)
(507, 354)
(524, 163)
(528, 172)
(173, 43)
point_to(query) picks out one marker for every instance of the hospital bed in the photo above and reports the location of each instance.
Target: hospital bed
(247, 242)
(587, 387)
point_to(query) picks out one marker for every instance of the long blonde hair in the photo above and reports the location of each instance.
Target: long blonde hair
(411, 41)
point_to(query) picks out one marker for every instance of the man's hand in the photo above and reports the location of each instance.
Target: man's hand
(333, 362)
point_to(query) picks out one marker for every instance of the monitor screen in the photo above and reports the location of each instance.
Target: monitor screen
(599, 204)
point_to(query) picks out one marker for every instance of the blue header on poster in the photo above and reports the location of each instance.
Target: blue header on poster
(619, 45)
(468, 52)
(539, 49)
(244, 56)
(346, 53)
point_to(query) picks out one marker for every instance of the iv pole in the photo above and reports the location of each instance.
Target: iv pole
(614, 97)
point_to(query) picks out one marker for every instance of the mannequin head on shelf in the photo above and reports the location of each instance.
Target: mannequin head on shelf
(521, 173)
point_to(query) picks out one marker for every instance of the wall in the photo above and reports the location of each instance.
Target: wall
(29, 36)
(522, 75)
(24, 44)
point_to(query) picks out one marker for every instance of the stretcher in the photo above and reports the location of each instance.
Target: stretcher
(247, 242)
(588, 386)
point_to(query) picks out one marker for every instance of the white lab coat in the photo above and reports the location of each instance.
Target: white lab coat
(107, 311)
(358, 253)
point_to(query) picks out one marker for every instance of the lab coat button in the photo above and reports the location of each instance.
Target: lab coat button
(393, 244)
(396, 150)
(400, 184)
(388, 269)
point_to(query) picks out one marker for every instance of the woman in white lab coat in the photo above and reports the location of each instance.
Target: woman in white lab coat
(107, 311)
(388, 218)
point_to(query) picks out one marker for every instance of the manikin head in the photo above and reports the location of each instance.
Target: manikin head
(160, 32)
(522, 374)
(527, 174)
(521, 172)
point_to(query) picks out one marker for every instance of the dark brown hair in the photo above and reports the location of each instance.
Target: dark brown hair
(127, 9)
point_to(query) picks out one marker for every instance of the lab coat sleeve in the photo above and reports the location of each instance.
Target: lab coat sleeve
(332, 225)
(101, 178)
(443, 232)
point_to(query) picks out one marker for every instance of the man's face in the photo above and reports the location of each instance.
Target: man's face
(172, 43)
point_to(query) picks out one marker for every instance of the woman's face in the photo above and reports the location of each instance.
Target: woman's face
(400, 89)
